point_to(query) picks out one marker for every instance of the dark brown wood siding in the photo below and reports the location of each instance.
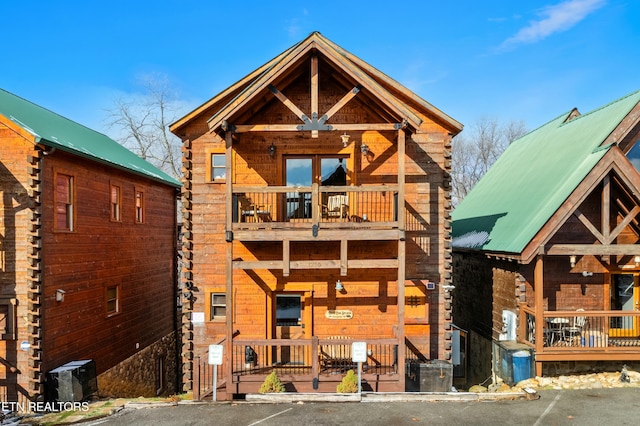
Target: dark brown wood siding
(138, 258)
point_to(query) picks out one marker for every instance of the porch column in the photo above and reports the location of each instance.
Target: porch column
(401, 257)
(228, 347)
(538, 290)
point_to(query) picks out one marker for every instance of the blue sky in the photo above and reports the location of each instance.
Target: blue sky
(508, 60)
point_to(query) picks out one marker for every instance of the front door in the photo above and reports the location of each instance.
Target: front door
(291, 322)
(624, 297)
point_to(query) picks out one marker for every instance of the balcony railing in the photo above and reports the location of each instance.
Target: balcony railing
(331, 206)
(584, 330)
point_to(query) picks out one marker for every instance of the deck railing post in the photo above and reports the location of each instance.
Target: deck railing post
(196, 380)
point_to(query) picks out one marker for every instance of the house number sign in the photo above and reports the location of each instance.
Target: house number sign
(339, 314)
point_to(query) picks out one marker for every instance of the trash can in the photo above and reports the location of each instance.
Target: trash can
(432, 376)
(521, 366)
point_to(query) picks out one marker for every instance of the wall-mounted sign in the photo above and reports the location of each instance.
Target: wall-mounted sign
(339, 314)
(197, 317)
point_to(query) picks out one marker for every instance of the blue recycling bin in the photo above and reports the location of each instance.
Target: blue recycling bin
(521, 366)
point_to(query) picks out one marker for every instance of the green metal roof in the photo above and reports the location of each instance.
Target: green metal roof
(533, 178)
(61, 133)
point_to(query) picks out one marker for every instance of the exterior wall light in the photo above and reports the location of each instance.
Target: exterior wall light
(345, 139)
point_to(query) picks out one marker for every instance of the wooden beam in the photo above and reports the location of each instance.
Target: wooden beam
(342, 102)
(318, 264)
(245, 128)
(627, 220)
(401, 177)
(587, 223)
(314, 90)
(286, 252)
(282, 98)
(594, 249)
(343, 257)
(323, 235)
(606, 208)
(228, 157)
(538, 291)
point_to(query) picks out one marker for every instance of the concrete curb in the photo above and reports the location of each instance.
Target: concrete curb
(390, 397)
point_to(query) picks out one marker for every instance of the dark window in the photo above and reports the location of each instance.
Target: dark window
(288, 310)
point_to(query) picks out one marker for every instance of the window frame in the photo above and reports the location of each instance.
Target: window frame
(108, 299)
(211, 306)
(211, 167)
(115, 211)
(69, 203)
(139, 210)
(9, 331)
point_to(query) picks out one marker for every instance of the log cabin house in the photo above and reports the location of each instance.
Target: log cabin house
(316, 214)
(87, 259)
(549, 238)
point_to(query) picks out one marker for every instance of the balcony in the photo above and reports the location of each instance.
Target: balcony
(311, 208)
(582, 335)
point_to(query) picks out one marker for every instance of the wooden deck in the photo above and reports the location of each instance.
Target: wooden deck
(582, 335)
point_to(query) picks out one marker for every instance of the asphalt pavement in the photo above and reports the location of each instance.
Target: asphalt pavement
(588, 407)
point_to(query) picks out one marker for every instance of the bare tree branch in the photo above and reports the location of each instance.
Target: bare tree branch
(474, 153)
(141, 122)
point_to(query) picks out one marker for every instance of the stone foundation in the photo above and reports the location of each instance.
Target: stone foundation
(137, 375)
(560, 368)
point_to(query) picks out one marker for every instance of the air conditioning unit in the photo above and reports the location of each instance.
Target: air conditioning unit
(72, 382)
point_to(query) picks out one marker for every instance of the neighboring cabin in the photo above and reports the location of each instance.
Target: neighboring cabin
(548, 239)
(87, 257)
(316, 213)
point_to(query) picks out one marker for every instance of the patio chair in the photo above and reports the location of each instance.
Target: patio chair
(252, 212)
(337, 207)
(336, 356)
(573, 331)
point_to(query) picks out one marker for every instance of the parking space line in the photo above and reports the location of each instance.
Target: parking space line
(547, 411)
(271, 416)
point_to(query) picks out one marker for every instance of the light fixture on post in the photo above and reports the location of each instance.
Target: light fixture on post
(364, 148)
(272, 150)
(339, 286)
(59, 295)
(572, 261)
(636, 260)
(345, 139)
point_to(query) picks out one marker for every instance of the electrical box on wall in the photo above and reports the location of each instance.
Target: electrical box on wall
(509, 325)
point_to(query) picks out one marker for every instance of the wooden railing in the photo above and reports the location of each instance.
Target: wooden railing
(203, 377)
(583, 330)
(298, 362)
(287, 206)
(310, 356)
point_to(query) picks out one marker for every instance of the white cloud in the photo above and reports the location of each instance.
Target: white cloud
(554, 19)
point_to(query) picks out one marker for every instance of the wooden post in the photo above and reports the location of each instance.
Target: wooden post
(401, 258)
(228, 350)
(538, 289)
(196, 380)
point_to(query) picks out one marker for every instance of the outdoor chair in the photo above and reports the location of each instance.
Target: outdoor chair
(337, 207)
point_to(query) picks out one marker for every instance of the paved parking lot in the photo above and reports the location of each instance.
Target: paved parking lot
(587, 407)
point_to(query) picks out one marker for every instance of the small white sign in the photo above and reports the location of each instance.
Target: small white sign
(197, 317)
(359, 351)
(215, 354)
